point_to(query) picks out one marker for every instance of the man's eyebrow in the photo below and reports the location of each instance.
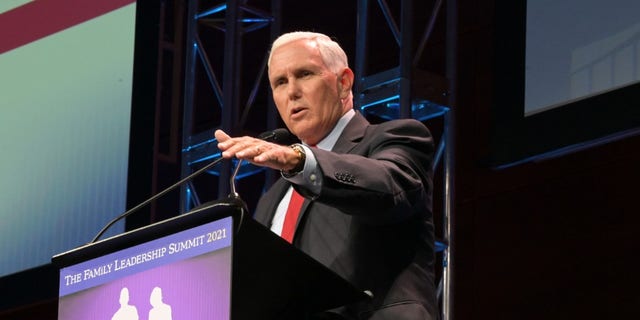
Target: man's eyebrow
(276, 79)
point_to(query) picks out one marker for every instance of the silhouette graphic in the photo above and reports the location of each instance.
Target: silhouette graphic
(160, 310)
(126, 311)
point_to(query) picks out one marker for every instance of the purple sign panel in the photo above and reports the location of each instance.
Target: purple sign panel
(186, 275)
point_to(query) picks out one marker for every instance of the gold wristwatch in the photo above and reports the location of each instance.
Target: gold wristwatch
(301, 159)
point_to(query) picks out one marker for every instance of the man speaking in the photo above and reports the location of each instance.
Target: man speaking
(356, 197)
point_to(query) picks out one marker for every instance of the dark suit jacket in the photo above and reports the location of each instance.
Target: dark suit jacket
(372, 221)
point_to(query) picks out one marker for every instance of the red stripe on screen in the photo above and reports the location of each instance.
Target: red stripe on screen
(41, 18)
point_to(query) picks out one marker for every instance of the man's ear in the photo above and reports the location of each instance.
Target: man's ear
(345, 82)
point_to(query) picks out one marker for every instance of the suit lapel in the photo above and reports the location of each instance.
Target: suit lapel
(351, 135)
(349, 138)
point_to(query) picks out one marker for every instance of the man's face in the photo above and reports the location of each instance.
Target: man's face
(307, 94)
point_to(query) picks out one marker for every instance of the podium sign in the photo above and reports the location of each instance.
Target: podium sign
(215, 262)
(190, 270)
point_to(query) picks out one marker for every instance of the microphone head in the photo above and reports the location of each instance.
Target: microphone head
(279, 136)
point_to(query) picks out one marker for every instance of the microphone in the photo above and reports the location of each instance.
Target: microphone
(279, 136)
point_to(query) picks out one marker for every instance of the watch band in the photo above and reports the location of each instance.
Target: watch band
(302, 156)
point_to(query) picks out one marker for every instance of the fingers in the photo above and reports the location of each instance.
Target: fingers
(221, 136)
(246, 148)
(228, 145)
(273, 156)
(256, 151)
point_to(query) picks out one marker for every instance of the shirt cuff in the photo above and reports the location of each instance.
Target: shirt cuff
(310, 177)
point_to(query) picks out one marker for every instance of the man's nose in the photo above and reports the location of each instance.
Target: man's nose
(293, 89)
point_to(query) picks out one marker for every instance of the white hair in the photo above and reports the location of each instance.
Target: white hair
(332, 54)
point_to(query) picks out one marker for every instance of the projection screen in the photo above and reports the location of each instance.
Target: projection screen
(65, 94)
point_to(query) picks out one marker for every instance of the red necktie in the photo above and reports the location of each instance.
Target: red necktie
(290, 219)
(293, 212)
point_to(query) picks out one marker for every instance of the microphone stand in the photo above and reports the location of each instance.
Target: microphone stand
(280, 136)
(158, 195)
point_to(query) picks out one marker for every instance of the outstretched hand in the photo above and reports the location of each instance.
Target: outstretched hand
(257, 151)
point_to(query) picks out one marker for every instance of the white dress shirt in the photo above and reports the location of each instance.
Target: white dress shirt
(310, 176)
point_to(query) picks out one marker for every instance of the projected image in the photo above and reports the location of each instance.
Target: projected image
(11, 4)
(65, 90)
(577, 49)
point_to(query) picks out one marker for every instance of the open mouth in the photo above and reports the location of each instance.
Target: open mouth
(296, 110)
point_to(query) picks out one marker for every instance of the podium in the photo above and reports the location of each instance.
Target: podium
(216, 260)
